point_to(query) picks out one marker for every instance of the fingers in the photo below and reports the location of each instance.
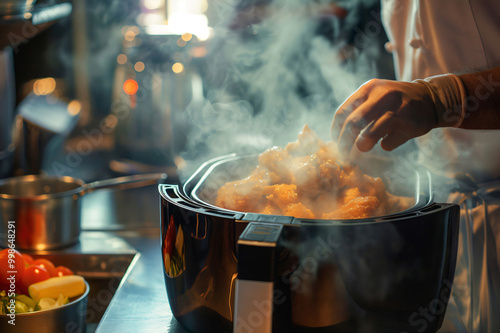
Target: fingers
(391, 129)
(344, 111)
(356, 113)
(394, 140)
(380, 110)
(362, 118)
(355, 123)
(373, 133)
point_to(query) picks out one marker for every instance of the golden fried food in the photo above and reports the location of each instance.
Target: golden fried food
(305, 180)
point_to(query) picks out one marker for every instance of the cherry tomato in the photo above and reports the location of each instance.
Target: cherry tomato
(47, 264)
(33, 274)
(61, 271)
(11, 261)
(28, 260)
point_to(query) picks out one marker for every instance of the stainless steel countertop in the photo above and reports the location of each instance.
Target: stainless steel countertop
(120, 222)
(140, 304)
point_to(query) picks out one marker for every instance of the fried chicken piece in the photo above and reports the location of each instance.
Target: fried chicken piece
(306, 175)
(358, 208)
(299, 210)
(331, 175)
(351, 194)
(277, 161)
(308, 142)
(243, 195)
(270, 210)
(282, 195)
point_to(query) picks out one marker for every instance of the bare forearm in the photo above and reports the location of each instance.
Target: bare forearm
(482, 109)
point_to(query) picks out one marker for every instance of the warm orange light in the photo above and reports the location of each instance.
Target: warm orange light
(199, 52)
(181, 42)
(121, 59)
(44, 86)
(129, 35)
(177, 67)
(74, 107)
(139, 66)
(130, 87)
(186, 37)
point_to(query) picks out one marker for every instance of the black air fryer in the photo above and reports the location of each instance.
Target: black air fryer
(231, 271)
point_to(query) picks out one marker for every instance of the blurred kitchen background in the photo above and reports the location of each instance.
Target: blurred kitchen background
(101, 88)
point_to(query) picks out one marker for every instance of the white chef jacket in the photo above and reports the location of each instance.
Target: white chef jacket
(431, 37)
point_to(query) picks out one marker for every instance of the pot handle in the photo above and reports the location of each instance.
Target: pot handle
(257, 253)
(125, 182)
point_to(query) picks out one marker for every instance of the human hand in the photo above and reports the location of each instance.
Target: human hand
(383, 109)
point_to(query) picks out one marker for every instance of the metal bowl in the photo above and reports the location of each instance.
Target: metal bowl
(67, 318)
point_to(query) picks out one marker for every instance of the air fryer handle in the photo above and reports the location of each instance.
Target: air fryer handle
(257, 252)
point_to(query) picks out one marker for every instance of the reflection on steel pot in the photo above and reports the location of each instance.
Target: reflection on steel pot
(46, 210)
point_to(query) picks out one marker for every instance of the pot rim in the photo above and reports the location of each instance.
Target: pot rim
(32, 178)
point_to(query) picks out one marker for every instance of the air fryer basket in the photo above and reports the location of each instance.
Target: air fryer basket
(413, 186)
(366, 275)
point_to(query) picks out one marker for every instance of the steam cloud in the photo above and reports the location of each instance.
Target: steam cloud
(267, 79)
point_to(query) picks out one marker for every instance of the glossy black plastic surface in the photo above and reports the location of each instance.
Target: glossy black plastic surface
(386, 274)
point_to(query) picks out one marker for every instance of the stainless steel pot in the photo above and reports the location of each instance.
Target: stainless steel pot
(44, 212)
